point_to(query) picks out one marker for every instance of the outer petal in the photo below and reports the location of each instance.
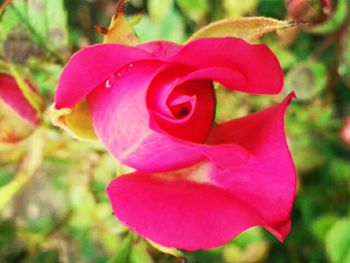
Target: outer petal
(268, 180)
(206, 207)
(256, 63)
(161, 49)
(175, 212)
(89, 67)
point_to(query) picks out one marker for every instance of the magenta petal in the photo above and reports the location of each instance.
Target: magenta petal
(259, 66)
(267, 180)
(224, 155)
(175, 212)
(89, 67)
(11, 94)
(122, 122)
(162, 50)
(193, 106)
(207, 206)
(233, 80)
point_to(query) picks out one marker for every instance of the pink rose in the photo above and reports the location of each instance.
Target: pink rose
(197, 184)
(18, 119)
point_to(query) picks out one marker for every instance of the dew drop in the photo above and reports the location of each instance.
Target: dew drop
(108, 84)
(110, 81)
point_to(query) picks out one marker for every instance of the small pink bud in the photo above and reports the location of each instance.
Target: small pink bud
(345, 131)
(18, 119)
(312, 11)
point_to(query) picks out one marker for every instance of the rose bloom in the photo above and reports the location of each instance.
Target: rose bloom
(197, 184)
(18, 119)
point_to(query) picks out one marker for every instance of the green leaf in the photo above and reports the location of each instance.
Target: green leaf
(344, 58)
(37, 16)
(194, 9)
(57, 31)
(321, 225)
(171, 28)
(248, 28)
(9, 19)
(232, 253)
(338, 242)
(247, 237)
(337, 19)
(340, 169)
(5, 177)
(123, 253)
(140, 254)
(49, 19)
(158, 9)
(238, 8)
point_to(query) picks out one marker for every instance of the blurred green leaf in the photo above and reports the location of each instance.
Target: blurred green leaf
(171, 28)
(322, 224)
(124, 251)
(275, 8)
(5, 177)
(37, 16)
(340, 169)
(158, 9)
(249, 236)
(194, 9)
(338, 242)
(344, 57)
(337, 19)
(57, 31)
(238, 8)
(140, 254)
(232, 254)
(9, 19)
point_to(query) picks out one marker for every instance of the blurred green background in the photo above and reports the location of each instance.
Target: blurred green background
(52, 201)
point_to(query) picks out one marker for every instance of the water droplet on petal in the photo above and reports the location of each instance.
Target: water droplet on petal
(108, 84)
(110, 81)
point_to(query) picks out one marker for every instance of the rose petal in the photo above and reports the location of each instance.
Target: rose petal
(206, 207)
(256, 63)
(161, 49)
(89, 67)
(267, 180)
(192, 105)
(12, 95)
(124, 125)
(230, 79)
(175, 212)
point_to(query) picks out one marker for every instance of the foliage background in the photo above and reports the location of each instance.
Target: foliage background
(52, 201)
